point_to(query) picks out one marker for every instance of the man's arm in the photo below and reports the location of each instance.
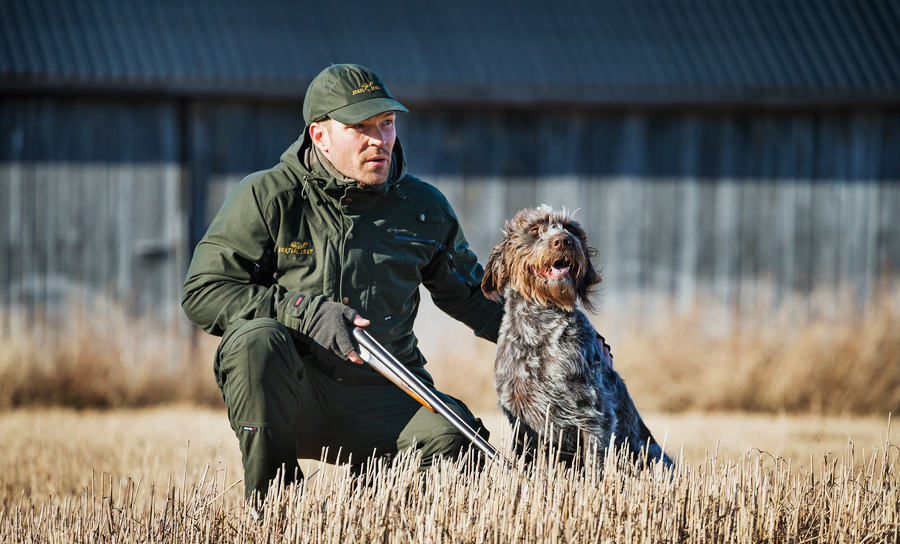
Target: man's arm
(221, 285)
(224, 284)
(454, 281)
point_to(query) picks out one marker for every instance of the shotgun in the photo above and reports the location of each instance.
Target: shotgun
(381, 360)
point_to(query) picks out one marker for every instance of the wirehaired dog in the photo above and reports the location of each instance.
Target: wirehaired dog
(550, 367)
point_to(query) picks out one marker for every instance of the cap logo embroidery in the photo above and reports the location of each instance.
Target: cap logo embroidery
(367, 87)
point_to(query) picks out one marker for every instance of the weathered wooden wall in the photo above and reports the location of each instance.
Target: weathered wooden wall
(105, 199)
(91, 205)
(749, 209)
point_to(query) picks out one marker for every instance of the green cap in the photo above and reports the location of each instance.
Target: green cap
(347, 93)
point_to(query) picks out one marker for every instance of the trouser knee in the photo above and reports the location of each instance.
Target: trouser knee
(450, 444)
(435, 437)
(259, 373)
(258, 370)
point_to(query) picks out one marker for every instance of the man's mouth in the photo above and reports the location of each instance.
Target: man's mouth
(378, 160)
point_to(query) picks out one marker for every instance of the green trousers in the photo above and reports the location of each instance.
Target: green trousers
(284, 406)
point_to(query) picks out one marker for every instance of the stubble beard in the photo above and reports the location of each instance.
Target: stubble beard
(372, 175)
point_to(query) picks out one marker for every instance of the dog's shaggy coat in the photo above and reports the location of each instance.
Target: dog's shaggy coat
(550, 367)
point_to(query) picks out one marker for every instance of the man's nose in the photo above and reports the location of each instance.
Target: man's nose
(377, 137)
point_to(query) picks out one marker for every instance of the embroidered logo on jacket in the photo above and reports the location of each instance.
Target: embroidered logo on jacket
(296, 248)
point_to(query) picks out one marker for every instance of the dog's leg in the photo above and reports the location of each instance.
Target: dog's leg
(525, 439)
(631, 429)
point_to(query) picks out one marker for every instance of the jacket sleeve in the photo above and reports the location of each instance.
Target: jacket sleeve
(223, 282)
(454, 281)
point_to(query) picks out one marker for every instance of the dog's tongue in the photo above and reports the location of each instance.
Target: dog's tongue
(556, 272)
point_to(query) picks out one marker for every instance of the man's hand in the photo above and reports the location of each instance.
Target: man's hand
(358, 321)
(605, 350)
(330, 332)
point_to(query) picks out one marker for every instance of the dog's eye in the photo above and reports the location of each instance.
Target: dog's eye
(535, 231)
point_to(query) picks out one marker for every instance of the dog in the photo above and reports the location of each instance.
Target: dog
(550, 366)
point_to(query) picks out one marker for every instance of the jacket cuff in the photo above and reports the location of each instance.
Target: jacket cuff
(297, 311)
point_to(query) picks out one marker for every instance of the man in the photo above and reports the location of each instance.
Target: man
(335, 236)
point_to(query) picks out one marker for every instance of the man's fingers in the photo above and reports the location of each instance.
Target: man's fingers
(360, 321)
(354, 357)
(605, 350)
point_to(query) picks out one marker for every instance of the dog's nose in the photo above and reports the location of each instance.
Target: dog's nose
(560, 241)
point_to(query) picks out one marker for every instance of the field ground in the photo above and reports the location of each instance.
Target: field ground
(172, 475)
(52, 452)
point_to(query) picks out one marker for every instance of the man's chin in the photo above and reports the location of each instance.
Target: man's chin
(374, 178)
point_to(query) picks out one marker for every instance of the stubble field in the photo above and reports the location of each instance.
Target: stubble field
(172, 474)
(781, 429)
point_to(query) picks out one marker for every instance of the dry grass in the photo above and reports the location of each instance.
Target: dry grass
(110, 360)
(787, 359)
(167, 475)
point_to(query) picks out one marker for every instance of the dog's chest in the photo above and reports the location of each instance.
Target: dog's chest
(543, 363)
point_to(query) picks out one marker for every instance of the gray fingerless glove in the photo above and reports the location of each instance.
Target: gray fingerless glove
(330, 332)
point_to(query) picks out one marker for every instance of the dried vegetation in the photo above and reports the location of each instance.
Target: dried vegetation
(751, 499)
(60, 491)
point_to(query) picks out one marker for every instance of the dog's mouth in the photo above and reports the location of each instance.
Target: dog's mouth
(558, 269)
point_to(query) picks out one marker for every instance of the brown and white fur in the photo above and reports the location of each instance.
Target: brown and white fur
(550, 367)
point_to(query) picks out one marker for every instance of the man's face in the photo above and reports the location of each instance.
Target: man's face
(361, 151)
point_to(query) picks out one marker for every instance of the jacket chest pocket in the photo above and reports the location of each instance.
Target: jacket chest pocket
(410, 250)
(413, 246)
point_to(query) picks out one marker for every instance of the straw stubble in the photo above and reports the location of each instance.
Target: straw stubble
(752, 498)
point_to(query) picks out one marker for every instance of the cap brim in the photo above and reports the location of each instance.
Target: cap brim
(360, 111)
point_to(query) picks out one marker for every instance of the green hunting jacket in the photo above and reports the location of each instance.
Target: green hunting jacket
(289, 238)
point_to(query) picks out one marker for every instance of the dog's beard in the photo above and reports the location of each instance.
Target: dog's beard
(559, 291)
(550, 283)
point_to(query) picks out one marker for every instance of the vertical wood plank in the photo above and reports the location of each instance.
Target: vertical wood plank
(684, 283)
(727, 251)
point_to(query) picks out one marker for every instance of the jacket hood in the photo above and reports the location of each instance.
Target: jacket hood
(302, 158)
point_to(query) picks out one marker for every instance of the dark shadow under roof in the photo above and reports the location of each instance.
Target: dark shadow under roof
(590, 52)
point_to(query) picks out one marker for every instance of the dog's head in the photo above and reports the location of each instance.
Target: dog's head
(544, 256)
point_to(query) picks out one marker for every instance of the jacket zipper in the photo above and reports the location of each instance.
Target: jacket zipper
(416, 239)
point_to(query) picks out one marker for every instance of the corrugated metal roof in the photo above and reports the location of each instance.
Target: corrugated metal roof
(506, 51)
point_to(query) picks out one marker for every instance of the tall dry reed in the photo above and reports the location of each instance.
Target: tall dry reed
(784, 361)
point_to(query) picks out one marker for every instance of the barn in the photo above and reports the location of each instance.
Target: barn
(743, 152)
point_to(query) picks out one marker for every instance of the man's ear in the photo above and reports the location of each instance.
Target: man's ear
(320, 136)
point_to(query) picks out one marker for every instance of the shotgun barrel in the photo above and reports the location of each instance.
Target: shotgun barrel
(381, 360)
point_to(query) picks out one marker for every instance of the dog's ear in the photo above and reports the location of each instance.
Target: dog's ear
(590, 276)
(495, 274)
